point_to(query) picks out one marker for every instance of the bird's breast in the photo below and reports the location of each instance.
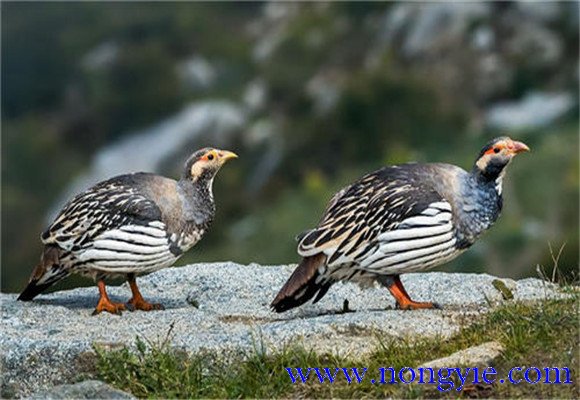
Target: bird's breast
(476, 212)
(186, 239)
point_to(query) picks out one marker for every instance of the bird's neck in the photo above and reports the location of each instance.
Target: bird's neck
(197, 199)
(490, 178)
(480, 205)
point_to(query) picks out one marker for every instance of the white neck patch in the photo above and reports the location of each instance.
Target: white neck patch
(210, 188)
(499, 182)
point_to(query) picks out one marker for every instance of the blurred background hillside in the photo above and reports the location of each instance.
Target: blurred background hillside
(310, 96)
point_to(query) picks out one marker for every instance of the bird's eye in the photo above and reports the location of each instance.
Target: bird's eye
(496, 150)
(210, 157)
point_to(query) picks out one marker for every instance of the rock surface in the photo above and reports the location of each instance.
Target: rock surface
(83, 390)
(224, 307)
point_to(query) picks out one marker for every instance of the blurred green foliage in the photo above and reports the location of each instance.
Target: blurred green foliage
(57, 111)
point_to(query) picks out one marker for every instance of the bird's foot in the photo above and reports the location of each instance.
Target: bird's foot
(404, 302)
(110, 307)
(417, 305)
(141, 304)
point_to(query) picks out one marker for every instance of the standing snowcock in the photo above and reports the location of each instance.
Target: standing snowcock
(399, 219)
(129, 225)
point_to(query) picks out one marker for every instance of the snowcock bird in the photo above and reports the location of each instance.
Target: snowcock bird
(129, 225)
(399, 219)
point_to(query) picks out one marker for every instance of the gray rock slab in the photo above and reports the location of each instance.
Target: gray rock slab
(83, 390)
(50, 340)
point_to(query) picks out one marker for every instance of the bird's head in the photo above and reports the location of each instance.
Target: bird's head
(204, 164)
(496, 155)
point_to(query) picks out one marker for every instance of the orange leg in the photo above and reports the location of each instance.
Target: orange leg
(403, 299)
(105, 303)
(137, 301)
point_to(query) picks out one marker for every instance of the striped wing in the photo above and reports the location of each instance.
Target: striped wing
(112, 227)
(388, 220)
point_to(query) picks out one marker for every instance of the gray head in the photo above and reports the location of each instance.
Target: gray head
(496, 155)
(204, 164)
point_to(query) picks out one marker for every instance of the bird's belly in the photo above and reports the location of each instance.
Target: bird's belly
(365, 276)
(113, 268)
(399, 264)
(126, 268)
(350, 273)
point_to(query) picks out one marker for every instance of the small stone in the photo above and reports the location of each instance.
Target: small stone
(478, 356)
(193, 302)
(506, 293)
(345, 307)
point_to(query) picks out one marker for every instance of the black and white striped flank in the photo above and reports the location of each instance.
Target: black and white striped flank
(112, 228)
(386, 223)
(417, 243)
(129, 248)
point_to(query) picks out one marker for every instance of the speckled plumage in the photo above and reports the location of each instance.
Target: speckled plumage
(129, 224)
(395, 220)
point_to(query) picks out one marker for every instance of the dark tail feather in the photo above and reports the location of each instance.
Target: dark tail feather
(33, 289)
(323, 289)
(46, 273)
(302, 286)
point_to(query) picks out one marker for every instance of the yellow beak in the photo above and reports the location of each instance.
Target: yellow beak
(226, 155)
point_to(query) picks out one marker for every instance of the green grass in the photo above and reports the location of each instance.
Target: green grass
(541, 334)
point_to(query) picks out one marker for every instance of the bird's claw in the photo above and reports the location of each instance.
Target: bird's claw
(142, 305)
(415, 305)
(112, 308)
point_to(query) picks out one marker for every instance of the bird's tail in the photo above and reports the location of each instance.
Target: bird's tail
(303, 284)
(47, 272)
